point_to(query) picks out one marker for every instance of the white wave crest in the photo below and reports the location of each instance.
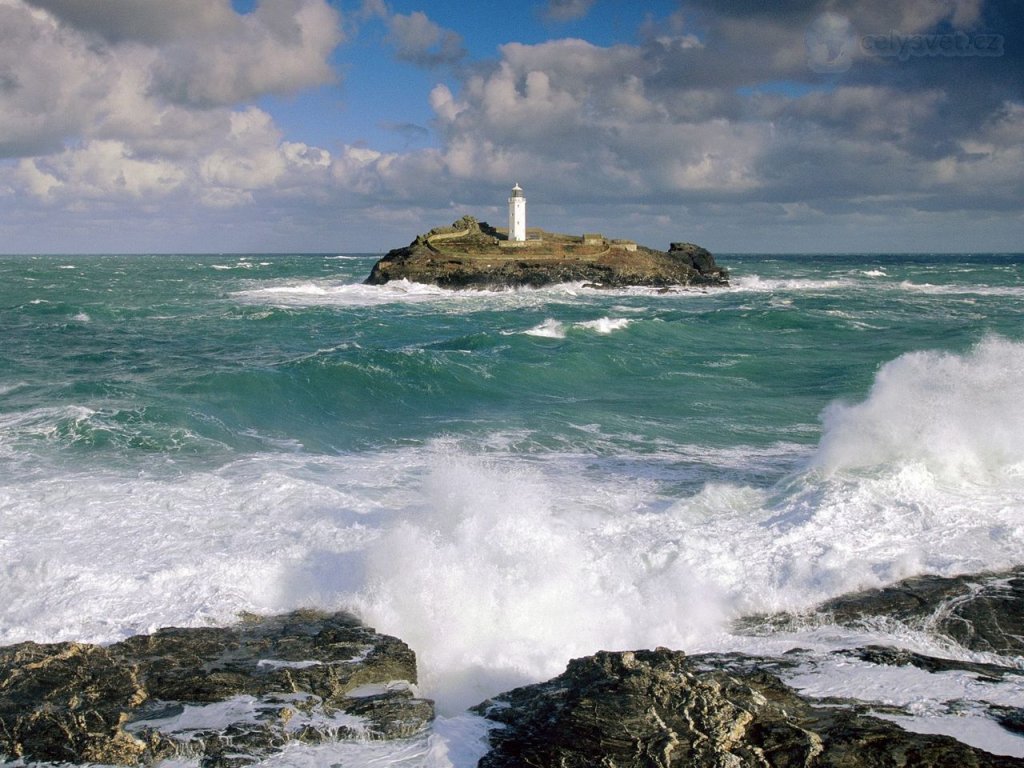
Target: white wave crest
(6, 389)
(961, 290)
(955, 415)
(758, 284)
(507, 572)
(549, 329)
(348, 294)
(605, 324)
(555, 329)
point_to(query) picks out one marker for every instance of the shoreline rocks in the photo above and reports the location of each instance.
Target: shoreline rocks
(981, 612)
(472, 254)
(228, 697)
(662, 708)
(665, 708)
(304, 676)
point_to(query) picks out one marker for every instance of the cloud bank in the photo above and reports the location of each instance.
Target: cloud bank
(720, 121)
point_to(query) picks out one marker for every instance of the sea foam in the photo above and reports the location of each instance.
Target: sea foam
(508, 572)
(556, 329)
(306, 294)
(605, 324)
(955, 415)
(510, 569)
(498, 567)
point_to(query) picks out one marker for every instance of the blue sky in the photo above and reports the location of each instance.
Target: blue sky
(329, 125)
(379, 99)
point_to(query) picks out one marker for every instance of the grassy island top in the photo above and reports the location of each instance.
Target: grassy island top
(474, 239)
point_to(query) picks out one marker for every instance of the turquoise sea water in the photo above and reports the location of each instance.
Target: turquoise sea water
(503, 479)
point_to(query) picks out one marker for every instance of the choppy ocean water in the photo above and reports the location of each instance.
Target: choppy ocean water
(506, 480)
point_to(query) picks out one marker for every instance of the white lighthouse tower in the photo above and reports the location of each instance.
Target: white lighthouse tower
(517, 215)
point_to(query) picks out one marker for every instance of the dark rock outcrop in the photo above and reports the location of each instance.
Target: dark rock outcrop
(224, 695)
(981, 612)
(697, 257)
(663, 708)
(900, 657)
(660, 708)
(471, 254)
(231, 696)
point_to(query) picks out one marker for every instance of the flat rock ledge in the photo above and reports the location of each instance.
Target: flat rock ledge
(472, 254)
(225, 696)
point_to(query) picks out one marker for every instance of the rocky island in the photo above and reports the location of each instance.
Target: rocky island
(472, 254)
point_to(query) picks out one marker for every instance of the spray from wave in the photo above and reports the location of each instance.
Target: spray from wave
(952, 415)
(505, 575)
(511, 569)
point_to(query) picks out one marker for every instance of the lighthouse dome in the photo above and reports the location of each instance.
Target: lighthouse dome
(517, 191)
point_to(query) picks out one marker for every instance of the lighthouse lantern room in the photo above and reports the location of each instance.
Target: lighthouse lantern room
(517, 215)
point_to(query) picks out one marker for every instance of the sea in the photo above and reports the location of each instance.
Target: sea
(510, 479)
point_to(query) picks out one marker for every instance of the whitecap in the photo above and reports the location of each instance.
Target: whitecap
(758, 284)
(956, 415)
(549, 329)
(605, 324)
(346, 294)
(957, 290)
(6, 389)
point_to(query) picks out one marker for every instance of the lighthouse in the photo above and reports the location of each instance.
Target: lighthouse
(517, 215)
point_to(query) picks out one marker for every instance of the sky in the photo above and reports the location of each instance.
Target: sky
(764, 126)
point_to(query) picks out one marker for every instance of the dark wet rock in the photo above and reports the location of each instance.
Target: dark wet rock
(471, 254)
(694, 256)
(900, 657)
(661, 708)
(1011, 718)
(224, 695)
(981, 612)
(67, 702)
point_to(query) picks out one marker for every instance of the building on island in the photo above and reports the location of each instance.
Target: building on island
(517, 215)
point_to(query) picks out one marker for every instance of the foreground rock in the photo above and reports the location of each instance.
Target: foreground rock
(661, 708)
(226, 696)
(471, 254)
